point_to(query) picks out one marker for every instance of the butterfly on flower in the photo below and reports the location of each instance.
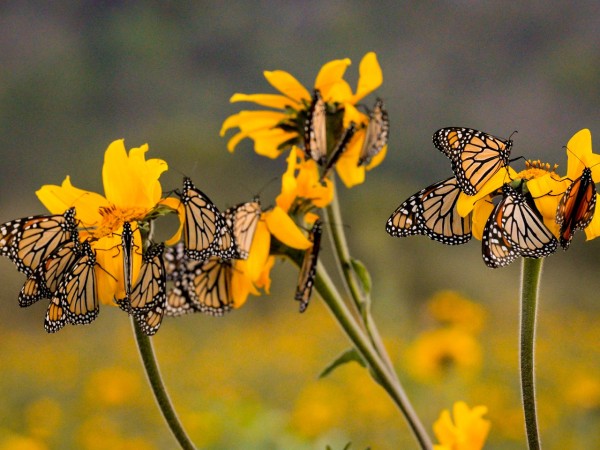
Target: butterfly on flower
(476, 156)
(29, 241)
(242, 220)
(576, 207)
(514, 229)
(315, 130)
(308, 269)
(377, 132)
(205, 230)
(432, 212)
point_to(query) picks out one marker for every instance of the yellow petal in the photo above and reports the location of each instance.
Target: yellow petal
(370, 77)
(267, 143)
(241, 285)
(60, 198)
(287, 85)
(250, 121)
(481, 212)
(268, 100)
(347, 166)
(288, 182)
(547, 191)
(109, 268)
(264, 281)
(352, 114)
(330, 74)
(579, 150)
(259, 251)
(176, 205)
(465, 203)
(339, 92)
(378, 158)
(285, 230)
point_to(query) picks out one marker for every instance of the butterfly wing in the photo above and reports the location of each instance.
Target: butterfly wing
(242, 220)
(576, 207)
(308, 270)
(376, 135)
(44, 280)
(210, 282)
(179, 301)
(27, 242)
(205, 231)
(340, 148)
(432, 212)
(315, 130)
(476, 156)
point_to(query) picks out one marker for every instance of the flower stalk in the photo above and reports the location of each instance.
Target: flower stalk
(144, 344)
(531, 274)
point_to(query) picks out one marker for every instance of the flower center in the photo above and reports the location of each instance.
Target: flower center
(113, 218)
(537, 169)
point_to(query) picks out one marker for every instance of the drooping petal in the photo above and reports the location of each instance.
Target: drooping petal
(259, 250)
(268, 100)
(288, 182)
(176, 205)
(347, 166)
(287, 85)
(264, 280)
(481, 212)
(547, 191)
(370, 77)
(60, 198)
(285, 230)
(109, 268)
(241, 284)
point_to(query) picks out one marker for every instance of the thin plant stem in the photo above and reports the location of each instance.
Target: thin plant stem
(361, 299)
(531, 273)
(144, 344)
(363, 345)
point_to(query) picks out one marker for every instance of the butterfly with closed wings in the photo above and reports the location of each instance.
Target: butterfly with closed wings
(514, 229)
(308, 269)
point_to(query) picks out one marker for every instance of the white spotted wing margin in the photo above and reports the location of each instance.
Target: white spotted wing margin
(432, 212)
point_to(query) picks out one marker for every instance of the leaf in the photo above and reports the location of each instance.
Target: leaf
(346, 357)
(363, 275)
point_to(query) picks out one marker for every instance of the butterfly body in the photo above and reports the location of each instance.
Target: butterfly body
(576, 207)
(475, 156)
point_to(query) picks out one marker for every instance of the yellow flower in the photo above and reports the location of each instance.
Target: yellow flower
(273, 131)
(451, 308)
(254, 273)
(436, 353)
(579, 156)
(132, 191)
(301, 186)
(468, 431)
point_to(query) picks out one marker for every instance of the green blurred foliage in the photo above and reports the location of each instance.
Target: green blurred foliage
(75, 76)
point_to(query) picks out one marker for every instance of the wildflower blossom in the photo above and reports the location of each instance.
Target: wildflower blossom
(273, 131)
(468, 430)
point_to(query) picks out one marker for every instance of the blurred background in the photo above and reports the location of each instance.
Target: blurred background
(76, 77)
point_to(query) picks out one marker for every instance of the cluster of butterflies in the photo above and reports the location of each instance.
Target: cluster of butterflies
(61, 268)
(515, 227)
(315, 135)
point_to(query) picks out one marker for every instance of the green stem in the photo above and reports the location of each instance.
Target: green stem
(363, 345)
(531, 273)
(362, 300)
(144, 344)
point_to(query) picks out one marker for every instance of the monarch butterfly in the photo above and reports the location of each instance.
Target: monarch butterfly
(514, 229)
(199, 286)
(476, 156)
(315, 130)
(376, 136)
(28, 241)
(308, 270)
(432, 212)
(44, 280)
(576, 207)
(242, 219)
(340, 148)
(75, 300)
(127, 245)
(148, 296)
(205, 230)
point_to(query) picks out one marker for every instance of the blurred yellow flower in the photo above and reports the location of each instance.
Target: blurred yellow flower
(273, 131)
(468, 431)
(584, 391)
(113, 386)
(451, 308)
(16, 442)
(437, 353)
(44, 418)
(132, 191)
